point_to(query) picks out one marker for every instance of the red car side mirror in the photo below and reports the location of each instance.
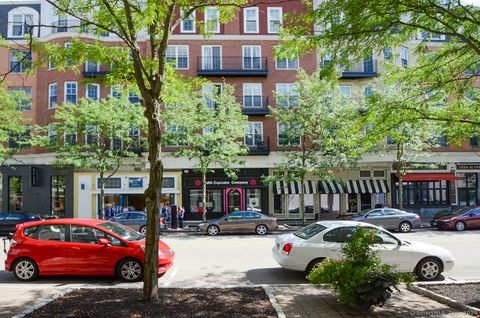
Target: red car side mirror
(104, 241)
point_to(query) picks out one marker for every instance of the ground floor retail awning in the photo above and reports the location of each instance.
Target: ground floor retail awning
(293, 187)
(353, 186)
(429, 177)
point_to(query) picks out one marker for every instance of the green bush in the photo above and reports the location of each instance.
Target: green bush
(360, 278)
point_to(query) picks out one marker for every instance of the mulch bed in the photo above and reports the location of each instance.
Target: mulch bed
(172, 302)
(468, 293)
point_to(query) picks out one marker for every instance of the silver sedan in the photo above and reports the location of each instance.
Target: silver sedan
(243, 221)
(390, 219)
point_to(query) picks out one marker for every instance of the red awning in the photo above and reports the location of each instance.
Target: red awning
(430, 177)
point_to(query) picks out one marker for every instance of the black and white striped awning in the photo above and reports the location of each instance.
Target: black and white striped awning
(353, 186)
(293, 187)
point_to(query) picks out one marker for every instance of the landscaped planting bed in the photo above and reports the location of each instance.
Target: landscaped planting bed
(467, 293)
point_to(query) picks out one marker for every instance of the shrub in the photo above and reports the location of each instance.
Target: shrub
(360, 278)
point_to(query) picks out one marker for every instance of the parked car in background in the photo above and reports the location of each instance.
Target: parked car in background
(388, 218)
(441, 214)
(9, 221)
(309, 246)
(241, 221)
(80, 247)
(136, 220)
(469, 219)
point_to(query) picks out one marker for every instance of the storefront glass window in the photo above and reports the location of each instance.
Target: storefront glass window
(379, 199)
(467, 189)
(214, 200)
(15, 193)
(365, 201)
(424, 193)
(352, 202)
(254, 198)
(294, 203)
(279, 203)
(324, 203)
(57, 185)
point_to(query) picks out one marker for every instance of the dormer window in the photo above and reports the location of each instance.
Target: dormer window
(21, 22)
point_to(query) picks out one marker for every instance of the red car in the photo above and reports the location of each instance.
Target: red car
(467, 220)
(80, 247)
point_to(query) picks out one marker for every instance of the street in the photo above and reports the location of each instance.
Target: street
(226, 260)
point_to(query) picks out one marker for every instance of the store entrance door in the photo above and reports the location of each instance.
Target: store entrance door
(234, 199)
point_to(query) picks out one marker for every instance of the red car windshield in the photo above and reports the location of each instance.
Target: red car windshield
(122, 231)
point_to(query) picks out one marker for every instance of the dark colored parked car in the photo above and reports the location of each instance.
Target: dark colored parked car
(467, 220)
(390, 219)
(9, 221)
(136, 220)
(441, 214)
(242, 221)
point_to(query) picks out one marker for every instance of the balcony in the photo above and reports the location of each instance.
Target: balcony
(363, 69)
(254, 105)
(232, 66)
(63, 26)
(261, 149)
(94, 70)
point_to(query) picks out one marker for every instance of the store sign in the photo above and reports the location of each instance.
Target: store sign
(468, 166)
(229, 183)
(135, 182)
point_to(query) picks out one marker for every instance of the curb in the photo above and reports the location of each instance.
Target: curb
(44, 303)
(446, 300)
(273, 301)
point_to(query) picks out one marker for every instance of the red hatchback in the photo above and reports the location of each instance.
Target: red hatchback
(80, 247)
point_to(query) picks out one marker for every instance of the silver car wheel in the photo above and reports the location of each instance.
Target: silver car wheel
(429, 270)
(25, 270)
(405, 227)
(212, 230)
(131, 270)
(143, 230)
(261, 230)
(460, 226)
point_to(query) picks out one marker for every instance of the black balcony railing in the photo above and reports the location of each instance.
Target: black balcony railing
(261, 149)
(362, 69)
(254, 104)
(232, 66)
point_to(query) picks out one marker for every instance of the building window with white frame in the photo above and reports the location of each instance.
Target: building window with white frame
(71, 92)
(250, 20)
(21, 22)
(52, 95)
(212, 20)
(92, 91)
(274, 19)
(20, 61)
(346, 90)
(254, 134)
(252, 95)
(287, 135)
(92, 66)
(24, 100)
(404, 56)
(209, 93)
(387, 53)
(52, 133)
(92, 136)
(287, 95)
(211, 57)
(252, 57)
(133, 98)
(177, 56)
(188, 23)
(286, 64)
(70, 135)
(116, 91)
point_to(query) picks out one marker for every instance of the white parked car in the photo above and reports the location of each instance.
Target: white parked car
(307, 247)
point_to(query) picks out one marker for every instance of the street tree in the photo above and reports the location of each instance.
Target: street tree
(95, 134)
(144, 29)
(209, 128)
(317, 124)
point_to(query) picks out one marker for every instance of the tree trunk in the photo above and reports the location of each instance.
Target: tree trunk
(400, 190)
(152, 197)
(102, 195)
(302, 201)
(204, 195)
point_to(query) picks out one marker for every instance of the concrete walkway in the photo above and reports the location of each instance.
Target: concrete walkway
(306, 301)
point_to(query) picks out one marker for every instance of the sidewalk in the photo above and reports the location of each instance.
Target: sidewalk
(306, 301)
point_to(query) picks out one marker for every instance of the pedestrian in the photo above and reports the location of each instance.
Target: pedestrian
(180, 215)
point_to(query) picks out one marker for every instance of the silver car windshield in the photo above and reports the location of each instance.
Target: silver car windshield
(309, 231)
(122, 231)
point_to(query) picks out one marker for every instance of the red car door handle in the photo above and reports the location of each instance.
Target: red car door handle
(75, 248)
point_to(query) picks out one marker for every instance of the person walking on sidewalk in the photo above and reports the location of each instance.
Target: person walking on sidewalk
(180, 215)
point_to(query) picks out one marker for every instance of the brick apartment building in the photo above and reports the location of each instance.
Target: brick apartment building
(239, 53)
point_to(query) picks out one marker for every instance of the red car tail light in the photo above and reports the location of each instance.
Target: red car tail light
(162, 221)
(287, 248)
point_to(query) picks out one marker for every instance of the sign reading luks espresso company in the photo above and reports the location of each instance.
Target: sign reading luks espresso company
(244, 182)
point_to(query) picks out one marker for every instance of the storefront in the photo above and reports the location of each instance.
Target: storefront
(468, 186)
(224, 195)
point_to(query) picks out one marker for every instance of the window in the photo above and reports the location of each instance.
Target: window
(21, 21)
(52, 95)
(71, 91)
(254, 134)
(365, 174)
(287, 96)
(287, 135)
(20, 140)
(168, 182)
(52, 133)
(250, 20)
(92, 66)
(214, 200)
(62, 24)
(252, 57)
(174, 136)
(57, 185)
(346, 90)
(388, 53)
(252, 95)
(67, 46)
(20, 61)
(92, 91)
(212, 20)
(404, 56)
(91, 135)
(188, 23)
(23, 97)
(177, 56)
(209, 93)
(70, 135)
(51, 64)
(425, 193)
(116, 91)
(211, 57)
(339, 235)
(15, 193)
(286, 64)
(52, 232)
(467, 189)
(367, 90)
(133, 98)
(309, 231)
(254, 199)
(134, 135)
(379, 173)
(84, 234)
(135, 182)
(274, 19)
(110, 183)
